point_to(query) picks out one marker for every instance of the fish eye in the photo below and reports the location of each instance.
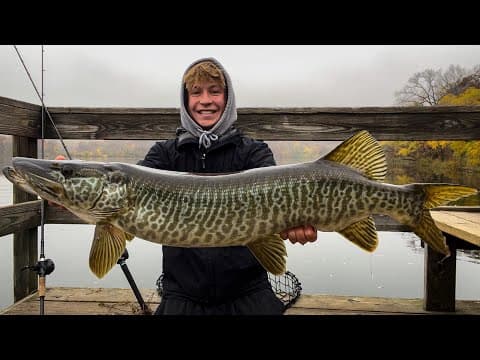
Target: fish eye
(67, 171)
(117, 177)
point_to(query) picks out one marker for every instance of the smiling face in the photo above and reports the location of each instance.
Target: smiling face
(206, 88)
(206, 103)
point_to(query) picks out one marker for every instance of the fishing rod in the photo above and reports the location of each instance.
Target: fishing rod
(46, 266)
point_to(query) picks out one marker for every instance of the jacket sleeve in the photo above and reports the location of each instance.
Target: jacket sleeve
(261, 155)
(157, 157)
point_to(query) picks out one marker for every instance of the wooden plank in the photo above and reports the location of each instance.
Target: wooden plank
(58, 215)
(385, 123)
(440, 277)
(25, 244)
(19, 118)
(17, 217)
(315, 303)
(359, 303)
(113, 123)
(463, 225)
(320, 312)
(76, 308)
(106, 301)
(388, 123)
(386, 223)
(100, 294)
(85, 301)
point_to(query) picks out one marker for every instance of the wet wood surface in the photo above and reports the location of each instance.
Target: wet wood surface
(109, 301)
(464, 225)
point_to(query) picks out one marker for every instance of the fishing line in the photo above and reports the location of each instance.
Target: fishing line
(44, 108)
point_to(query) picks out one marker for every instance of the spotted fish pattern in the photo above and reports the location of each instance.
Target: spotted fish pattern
(339, 192)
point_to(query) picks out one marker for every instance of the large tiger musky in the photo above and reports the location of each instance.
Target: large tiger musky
(339, 192)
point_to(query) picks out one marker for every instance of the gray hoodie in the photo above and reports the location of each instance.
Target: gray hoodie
(229, 116)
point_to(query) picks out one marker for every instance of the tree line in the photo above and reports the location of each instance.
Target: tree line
(455, 86)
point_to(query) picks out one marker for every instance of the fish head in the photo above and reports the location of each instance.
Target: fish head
(94, 189)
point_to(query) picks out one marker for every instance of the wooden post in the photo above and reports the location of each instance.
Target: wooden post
(25, 242)
(440, 278)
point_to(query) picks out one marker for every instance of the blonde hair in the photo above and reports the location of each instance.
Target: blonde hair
(204, 71)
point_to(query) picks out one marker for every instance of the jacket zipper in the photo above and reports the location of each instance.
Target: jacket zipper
(204, 155)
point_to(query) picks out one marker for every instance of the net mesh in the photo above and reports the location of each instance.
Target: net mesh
(286, 287)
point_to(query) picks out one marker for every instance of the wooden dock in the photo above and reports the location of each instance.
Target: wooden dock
(107, 301)
(462, 224)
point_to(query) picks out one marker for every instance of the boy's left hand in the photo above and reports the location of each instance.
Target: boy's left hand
(300, 234)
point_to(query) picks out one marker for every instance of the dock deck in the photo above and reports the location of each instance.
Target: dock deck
(109, 301)
(463, 225)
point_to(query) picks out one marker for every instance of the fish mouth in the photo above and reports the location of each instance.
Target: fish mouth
(15, 178)
(37, 175)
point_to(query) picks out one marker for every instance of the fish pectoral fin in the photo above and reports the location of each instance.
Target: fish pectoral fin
(362, 233)
(271, 252)
(107, 247)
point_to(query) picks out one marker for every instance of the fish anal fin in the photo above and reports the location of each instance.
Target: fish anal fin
(363, 153)
(271, 252)
(107, 247)
(428, 231)
(362, 233)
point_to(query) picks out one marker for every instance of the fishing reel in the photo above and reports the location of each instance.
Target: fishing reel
(42, 267)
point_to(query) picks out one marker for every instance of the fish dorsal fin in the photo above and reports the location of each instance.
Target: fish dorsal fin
(362, 233)
(361, 152)
(107, 247)
(271, 252)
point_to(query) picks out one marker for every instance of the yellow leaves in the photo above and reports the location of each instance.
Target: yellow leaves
(437, 144)
(471, 96)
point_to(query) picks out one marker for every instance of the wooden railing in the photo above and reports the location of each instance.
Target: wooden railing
(23, 121)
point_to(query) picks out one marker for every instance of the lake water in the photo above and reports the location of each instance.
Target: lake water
(332, 265)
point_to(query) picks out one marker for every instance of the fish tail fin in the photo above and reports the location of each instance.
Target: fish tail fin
(436, 195)
(440, 194)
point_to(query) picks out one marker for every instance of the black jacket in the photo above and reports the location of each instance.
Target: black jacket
(210, 275)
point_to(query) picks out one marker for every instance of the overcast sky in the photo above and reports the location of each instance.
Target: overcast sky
(262, 75)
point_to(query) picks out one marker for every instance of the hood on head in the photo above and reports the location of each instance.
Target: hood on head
(228, 118)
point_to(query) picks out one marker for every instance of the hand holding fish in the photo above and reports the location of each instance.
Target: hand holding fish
(300, 234)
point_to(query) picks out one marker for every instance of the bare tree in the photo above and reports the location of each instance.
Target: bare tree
(426, 88)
